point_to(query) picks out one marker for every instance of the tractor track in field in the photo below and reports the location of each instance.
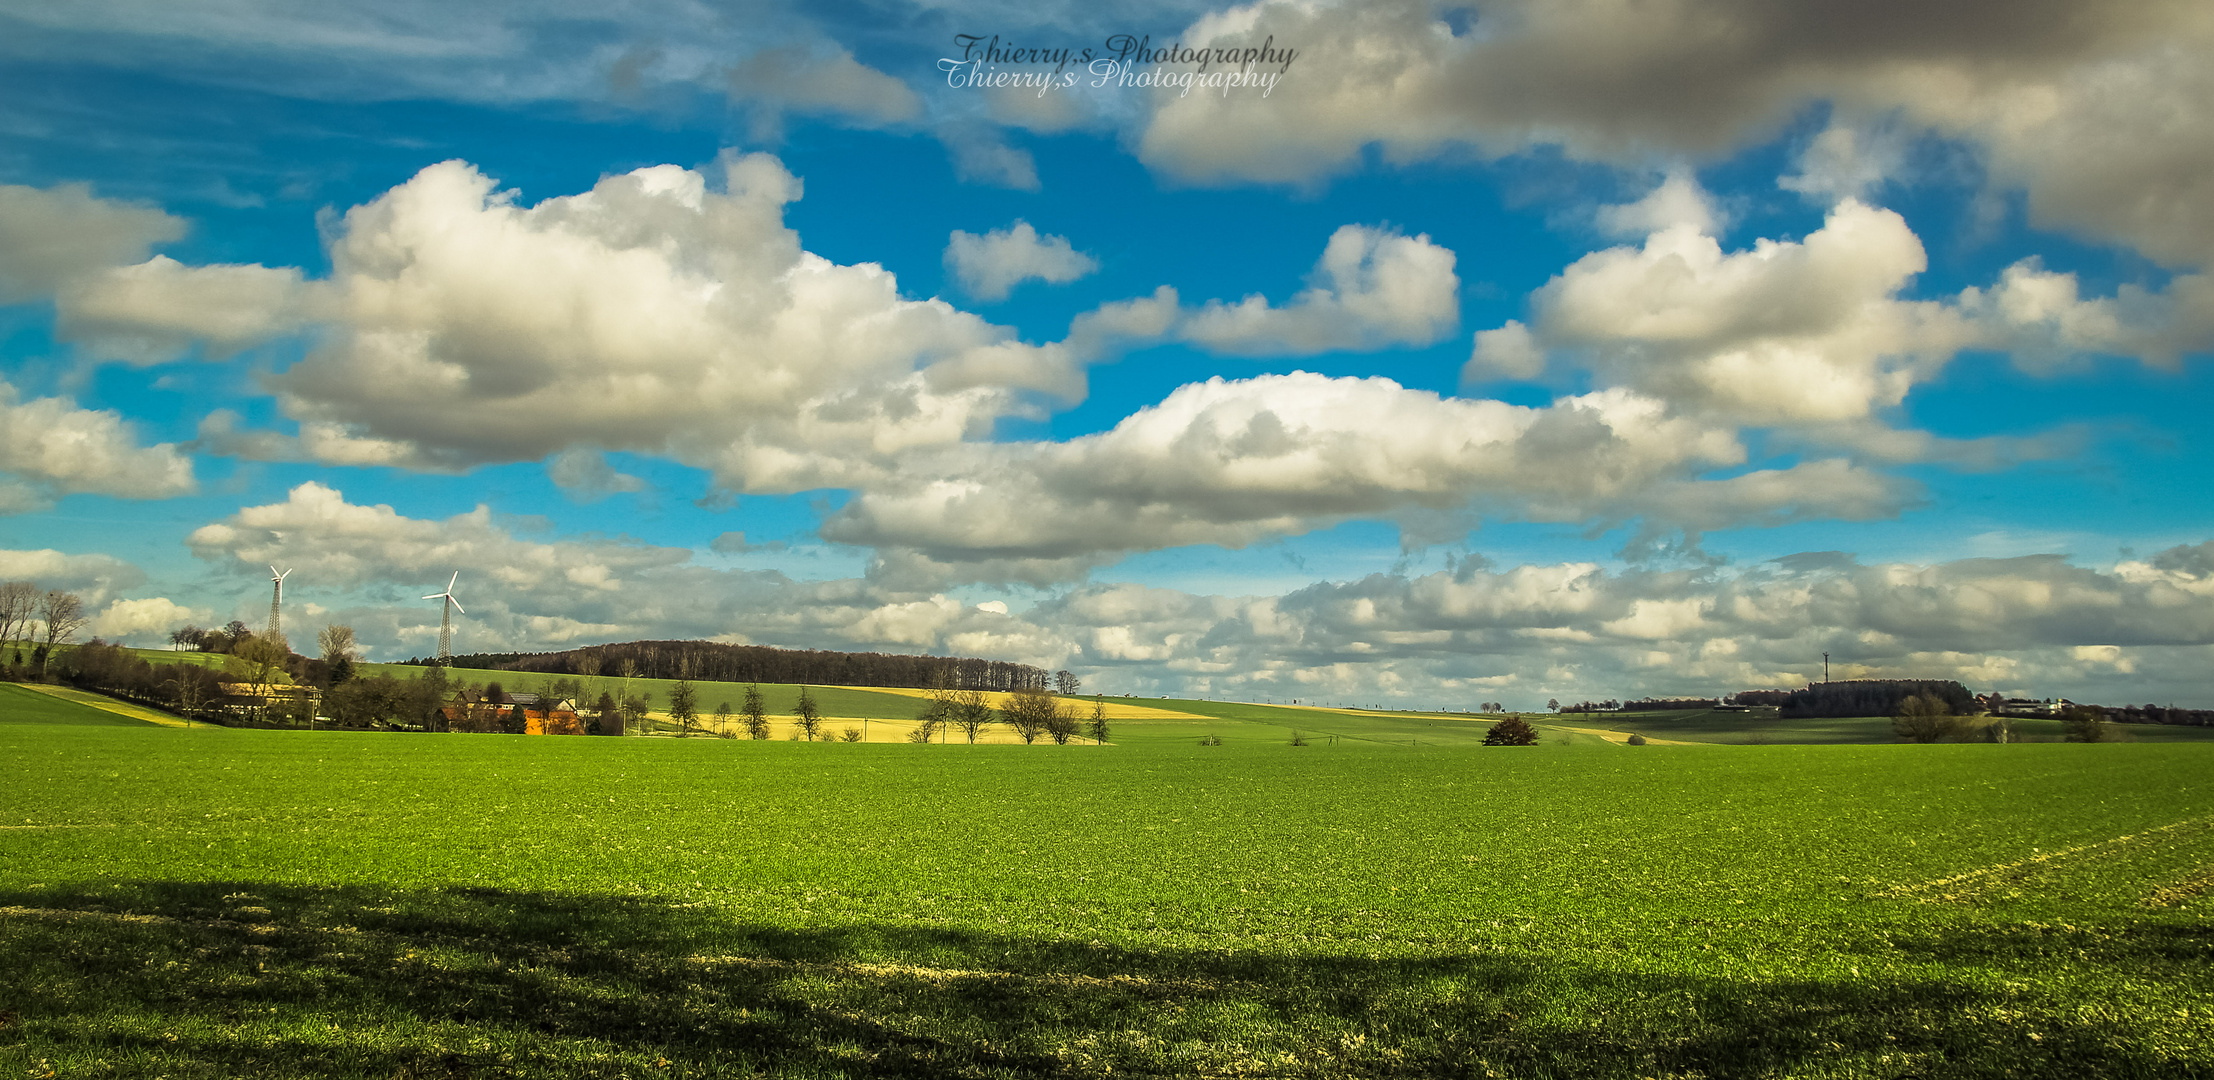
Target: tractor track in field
(1971, 885)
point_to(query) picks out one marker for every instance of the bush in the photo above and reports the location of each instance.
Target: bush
(1636, 740)
(1512, 731)
(1211, 740)
(1926, 718)
(1298, 739)
(851, 734)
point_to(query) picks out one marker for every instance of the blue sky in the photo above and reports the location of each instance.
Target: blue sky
(1496, 352)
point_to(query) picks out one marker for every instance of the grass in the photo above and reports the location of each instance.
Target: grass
(328, 904)
(33, 705)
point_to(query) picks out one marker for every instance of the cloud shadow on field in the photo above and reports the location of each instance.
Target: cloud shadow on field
(228, 978)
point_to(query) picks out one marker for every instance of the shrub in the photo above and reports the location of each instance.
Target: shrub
(1298, 739)
(1636, 740)
(851, 734)
(1211, 740)
(1512, 731)
(1926, 718)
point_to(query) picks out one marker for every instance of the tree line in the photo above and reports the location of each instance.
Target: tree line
(718, 662)
(1872, 697)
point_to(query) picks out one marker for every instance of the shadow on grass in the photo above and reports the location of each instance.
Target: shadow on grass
(214, 979)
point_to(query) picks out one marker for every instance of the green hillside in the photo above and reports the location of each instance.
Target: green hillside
(22, 705)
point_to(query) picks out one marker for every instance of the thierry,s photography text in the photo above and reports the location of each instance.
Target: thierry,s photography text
(1126, 61)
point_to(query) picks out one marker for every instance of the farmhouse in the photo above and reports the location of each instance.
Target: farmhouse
(262, 699)
(473, 711)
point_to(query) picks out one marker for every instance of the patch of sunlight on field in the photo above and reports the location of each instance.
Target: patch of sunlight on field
(108, 704)
(998, 699)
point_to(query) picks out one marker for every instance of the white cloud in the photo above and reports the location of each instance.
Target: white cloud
(145, 623)
(1787, 331)
(152, 312)
(2098, 113)
(1236, 461)
(981, 155)
(1370, 289)
(1477, 632)
(50, 236)
(807, 79)
(991, 265)
(652, 314)
(95, 578)
(49, 447)
(1845, 162)
(586, 476)
(1677, 200)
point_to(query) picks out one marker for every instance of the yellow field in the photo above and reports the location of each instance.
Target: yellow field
(998, 699)
(876, 730)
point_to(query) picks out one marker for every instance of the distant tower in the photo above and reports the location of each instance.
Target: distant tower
(446, 621)
(1825, 667)
(276, 602)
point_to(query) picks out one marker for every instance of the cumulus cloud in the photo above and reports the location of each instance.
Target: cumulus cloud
(1236, 461)
(1815, 333)
(1811, 330)
(95, 578)
(550, 593)
(1473, 632)
(50, 236)
(152, 312)
(49, 447)
(1578, 630)
(2119, 85)
(654, 314)
(1371, 288)
(146, 622)
(991, 265)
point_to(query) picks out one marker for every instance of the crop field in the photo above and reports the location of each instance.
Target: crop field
(294, 903)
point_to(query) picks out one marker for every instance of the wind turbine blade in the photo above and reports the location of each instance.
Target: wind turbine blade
(456, 604)
(450, 583)
(434, 596)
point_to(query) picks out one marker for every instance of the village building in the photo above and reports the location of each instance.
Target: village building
(473, 711)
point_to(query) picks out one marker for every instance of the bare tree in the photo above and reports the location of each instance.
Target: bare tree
(971, 714)
(337, 645)
(1030, 712)
(336, 642)
(18, 606)
(1062, 725)
(64, 614)
(1099, 719)
(809, 717)
(1066, 683)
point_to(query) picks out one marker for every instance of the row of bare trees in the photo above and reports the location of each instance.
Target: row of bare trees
(1032, 713)
(56, 615)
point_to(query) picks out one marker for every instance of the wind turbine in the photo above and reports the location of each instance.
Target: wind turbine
(276, 601)
(446, 623)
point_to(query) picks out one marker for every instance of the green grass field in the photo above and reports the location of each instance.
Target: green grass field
(347, 904)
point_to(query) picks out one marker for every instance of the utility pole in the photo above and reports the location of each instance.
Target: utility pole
(1825, 668)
